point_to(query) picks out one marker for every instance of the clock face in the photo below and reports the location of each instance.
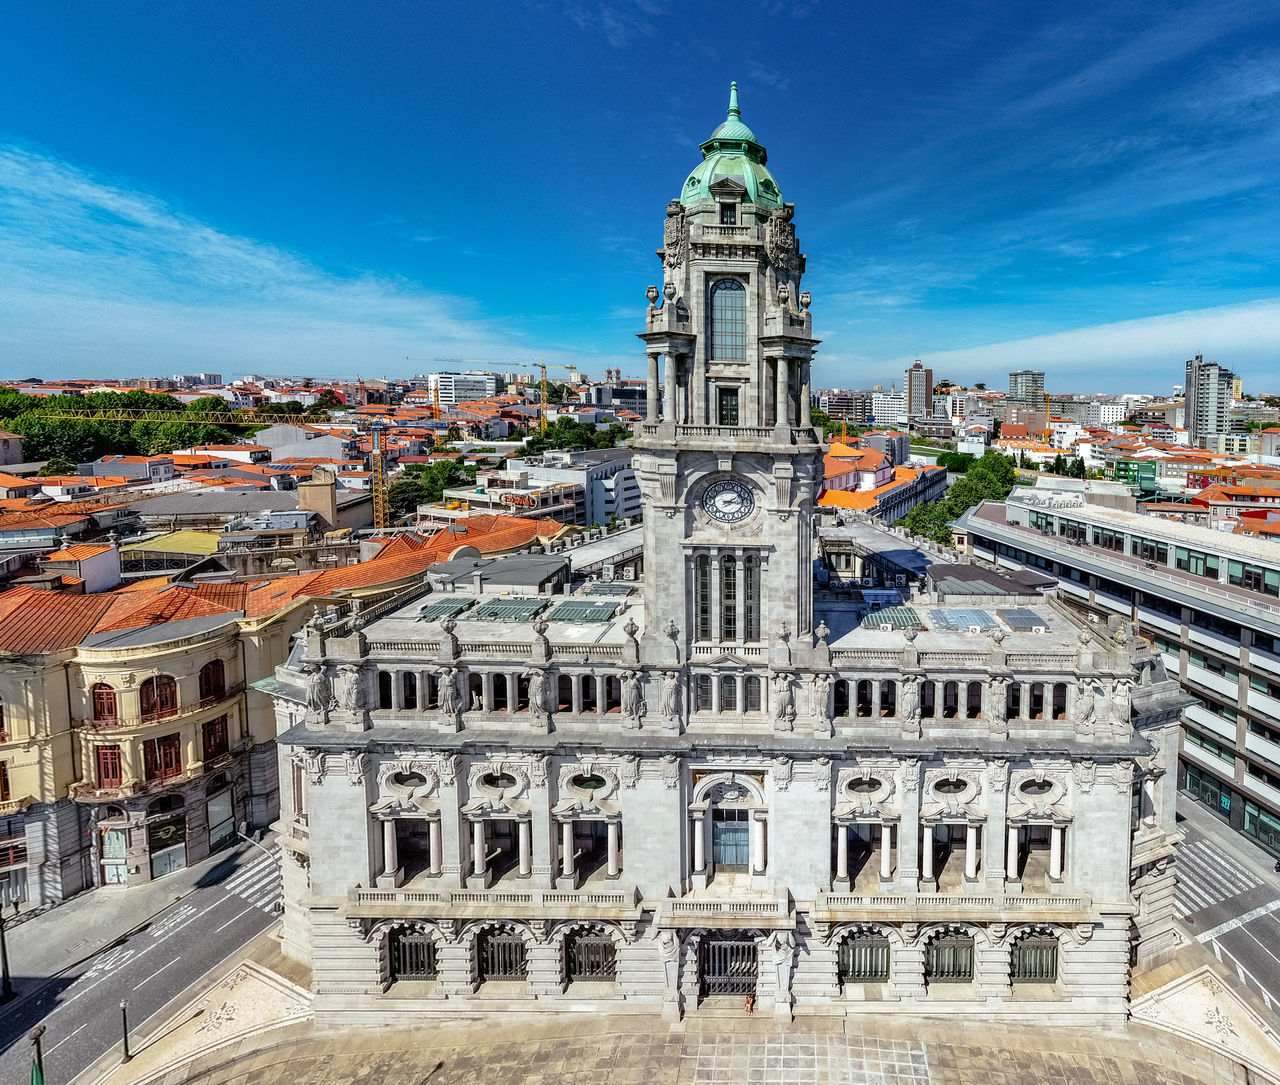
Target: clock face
(728, 501)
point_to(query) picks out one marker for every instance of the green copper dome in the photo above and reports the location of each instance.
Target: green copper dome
(732, 152)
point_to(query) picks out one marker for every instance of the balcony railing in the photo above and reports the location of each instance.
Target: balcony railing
(428, 899)
(181, 712)
(933, 904)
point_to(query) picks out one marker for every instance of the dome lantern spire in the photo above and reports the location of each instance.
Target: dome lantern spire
(734, 112)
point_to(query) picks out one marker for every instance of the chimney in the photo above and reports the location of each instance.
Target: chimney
(320, 495)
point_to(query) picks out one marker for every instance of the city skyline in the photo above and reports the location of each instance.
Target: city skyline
(249, 193)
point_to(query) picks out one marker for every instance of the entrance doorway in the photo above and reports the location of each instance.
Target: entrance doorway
(727, 965)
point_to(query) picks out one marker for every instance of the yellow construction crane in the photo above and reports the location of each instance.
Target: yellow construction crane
(542, 411)
(131, 414)
(377, 465)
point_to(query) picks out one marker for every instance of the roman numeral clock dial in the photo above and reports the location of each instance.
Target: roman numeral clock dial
(728, 501)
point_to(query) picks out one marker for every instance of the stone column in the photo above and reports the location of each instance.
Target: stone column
(804, 395)
(782, 406)
(390, 852)
(397, 691)
(575, 686)
(970, 853)
(740, 692)
(486, 690)
(757, 857)
(1055, 853)
(715, 694)
(567, 864)
(671, 411)
(523, 833)
(435, 844)
(602, 694)
(909, 835)
(716, 633)
(1011, 855)
(842, 851)
(699, 843)
(740, 593)
(926, 853)
(613, 869)
(479, 861)
(886, 851)
(513, 692)
(651, 391)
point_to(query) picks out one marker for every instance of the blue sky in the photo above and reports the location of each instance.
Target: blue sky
(325, 188)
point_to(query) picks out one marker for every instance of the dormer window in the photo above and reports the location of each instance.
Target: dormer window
(728, 214)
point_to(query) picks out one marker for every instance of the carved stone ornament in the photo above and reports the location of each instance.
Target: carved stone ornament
(669, 769)
(357, 765)
(781, 771)
(911, 773)
(313, 763)
(629, 770)
(821, 773)
(1086, 773)
(675, 236)
(538, 770)
(447, 769)
(651, 292)
(780, 242)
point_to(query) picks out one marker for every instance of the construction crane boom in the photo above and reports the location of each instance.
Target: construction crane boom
(127, 414)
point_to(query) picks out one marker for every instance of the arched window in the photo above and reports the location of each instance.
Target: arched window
(590, 955)
(841, 698)
(973, 701)
(564, 693)
(728, 320)
(409, 690)
(728, 597)
(1013, 701)
(384, 689)
(702, 691)
(500, 954)
(411, 954)
(213, 682)
(1034, 958)
(751, 597)
(1059, 700)
(950, 700)
(949, 959)
(864, 697)
(863, 957)
(104, 703)
(928, 700)
(1037, 701)
(702, 595)
(159, 697)
(754, 703)
(888, 697)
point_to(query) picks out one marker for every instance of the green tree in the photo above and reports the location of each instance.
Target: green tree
(571, 434)
(56, 466)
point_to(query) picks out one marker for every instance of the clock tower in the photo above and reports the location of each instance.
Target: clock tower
(728, 462)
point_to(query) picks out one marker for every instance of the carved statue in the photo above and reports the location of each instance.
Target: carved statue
(909, 703)
(633, 706)
(671, 694)
(674, 241)
(538, 692)
(821, 694)
(784, 707)
(1086, 707)
(450, 693)
(352, 689)
(319, 695)
(780, 241)
(669, 952)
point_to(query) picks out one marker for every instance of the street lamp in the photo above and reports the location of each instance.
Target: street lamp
(124, 1029)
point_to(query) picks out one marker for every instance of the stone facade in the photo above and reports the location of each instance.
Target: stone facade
(730, 784)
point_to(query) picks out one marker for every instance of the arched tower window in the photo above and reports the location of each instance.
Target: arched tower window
(702, 595)
(728, 321)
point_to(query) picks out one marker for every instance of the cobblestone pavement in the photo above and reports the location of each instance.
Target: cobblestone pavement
(642, 1051)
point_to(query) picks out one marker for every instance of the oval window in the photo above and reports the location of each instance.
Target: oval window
(1036, 787)
(865, 785)
(408, 779)
(950, 787)
(589, 782)
(499, 781)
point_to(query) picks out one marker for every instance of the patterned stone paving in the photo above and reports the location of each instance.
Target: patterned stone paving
(753, 1052)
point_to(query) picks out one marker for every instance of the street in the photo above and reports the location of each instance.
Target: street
(234, 900)
(1229, 896)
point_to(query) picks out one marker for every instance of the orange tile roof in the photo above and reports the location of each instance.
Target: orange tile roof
(81, 552)
(33, 621)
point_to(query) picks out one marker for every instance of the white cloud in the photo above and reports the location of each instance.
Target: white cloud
(98, 279)
(1120, 356)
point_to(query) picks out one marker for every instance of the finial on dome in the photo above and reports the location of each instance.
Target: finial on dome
(734, 111)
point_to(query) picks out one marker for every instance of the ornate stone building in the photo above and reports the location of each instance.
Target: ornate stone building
(725, 783)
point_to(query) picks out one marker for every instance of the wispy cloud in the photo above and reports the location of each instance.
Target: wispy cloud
(620, 24)
(96, 275)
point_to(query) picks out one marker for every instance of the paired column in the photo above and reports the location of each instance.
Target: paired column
(926, 854)
(651, 391)
(671, 409)
(757, 846)
(842, 851)
(1055, 852)
(613, 869)
(970, 852)
(1011, 855)
(804, 394)
(699, 844)
(886, 851)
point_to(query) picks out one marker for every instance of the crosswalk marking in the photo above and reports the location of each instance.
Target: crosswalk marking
(1207, 875)
(259, 882)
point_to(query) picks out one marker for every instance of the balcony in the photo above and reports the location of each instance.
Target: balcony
(848, 907)
(181, 713)
(720, 907)
(427, 897)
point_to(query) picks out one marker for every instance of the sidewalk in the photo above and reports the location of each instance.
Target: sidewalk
(43, 944)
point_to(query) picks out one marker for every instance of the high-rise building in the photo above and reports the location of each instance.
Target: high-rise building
(1208, 398)
(1026, 383)
(917, 387)
(508, 797)
(457, 388)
